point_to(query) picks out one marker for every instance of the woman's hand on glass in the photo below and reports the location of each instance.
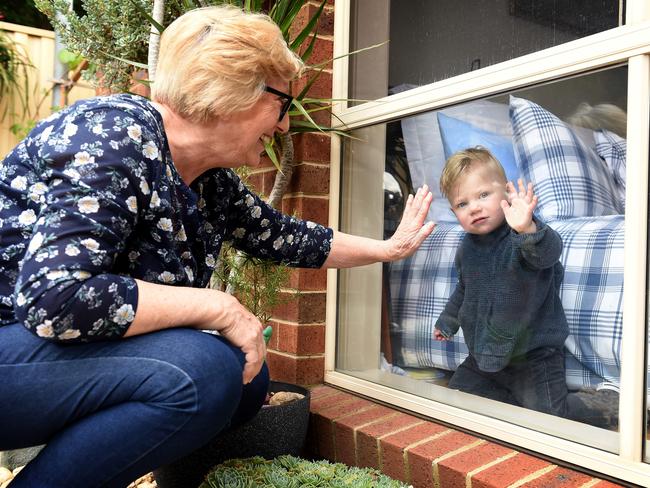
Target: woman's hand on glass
(412, 229)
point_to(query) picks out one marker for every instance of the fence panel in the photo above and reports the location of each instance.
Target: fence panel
(38, 45)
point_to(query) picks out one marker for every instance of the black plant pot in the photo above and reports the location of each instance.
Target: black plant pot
(274, 431)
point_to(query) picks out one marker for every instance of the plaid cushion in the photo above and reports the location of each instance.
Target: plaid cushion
(419, 287)
(570, 179)
(592, 296)
(613, 149)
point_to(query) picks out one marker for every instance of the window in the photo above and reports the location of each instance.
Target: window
(433, 41)
(555, 111)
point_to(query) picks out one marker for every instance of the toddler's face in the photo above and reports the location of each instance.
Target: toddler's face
(476, 200)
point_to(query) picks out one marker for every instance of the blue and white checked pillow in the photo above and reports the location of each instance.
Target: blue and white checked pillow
(613, 149)
(420, 287)
(570, 179)
(592, 296)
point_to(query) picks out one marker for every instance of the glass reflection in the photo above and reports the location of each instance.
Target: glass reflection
(566, 138)
(432, 41)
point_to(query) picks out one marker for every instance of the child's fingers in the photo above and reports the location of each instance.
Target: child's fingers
(529, 193)
(522, 188)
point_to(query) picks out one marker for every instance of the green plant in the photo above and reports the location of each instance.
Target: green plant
(109, 30)
(71, 59)
(255, 281)
(14, 80)
(293, 472)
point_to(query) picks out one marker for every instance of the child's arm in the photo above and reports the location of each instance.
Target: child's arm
(519, 212)
(448, 324)
(538, 244)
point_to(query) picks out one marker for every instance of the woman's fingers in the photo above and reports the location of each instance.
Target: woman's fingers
(239, 326)
(412, 229)
(254, 360)
(417, 206)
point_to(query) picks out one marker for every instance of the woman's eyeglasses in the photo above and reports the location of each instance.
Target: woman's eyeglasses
(286, 103)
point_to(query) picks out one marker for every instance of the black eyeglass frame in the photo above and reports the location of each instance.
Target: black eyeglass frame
(286, 104)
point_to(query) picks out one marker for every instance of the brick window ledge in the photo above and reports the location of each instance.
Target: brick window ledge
(358, 432)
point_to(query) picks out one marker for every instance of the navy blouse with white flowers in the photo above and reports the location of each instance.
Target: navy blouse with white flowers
(91, 200)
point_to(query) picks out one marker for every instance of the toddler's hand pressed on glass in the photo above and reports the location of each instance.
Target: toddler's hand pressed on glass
(439, 335)
(519, 207)
(412, 229)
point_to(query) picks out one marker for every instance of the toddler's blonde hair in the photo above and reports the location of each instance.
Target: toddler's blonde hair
(461, 161)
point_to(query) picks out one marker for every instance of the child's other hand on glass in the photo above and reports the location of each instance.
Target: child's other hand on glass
(518, 208)
(440, 335)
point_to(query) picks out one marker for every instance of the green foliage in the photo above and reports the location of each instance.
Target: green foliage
(293, 472)
(110, 29)
(114, 34)
(14, 82)
(71, 59)
(256, 281)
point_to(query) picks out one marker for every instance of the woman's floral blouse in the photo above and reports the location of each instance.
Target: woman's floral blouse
(91, 200)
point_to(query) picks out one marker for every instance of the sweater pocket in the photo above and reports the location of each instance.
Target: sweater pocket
(494, 347)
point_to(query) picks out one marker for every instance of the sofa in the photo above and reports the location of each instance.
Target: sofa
(579, 176)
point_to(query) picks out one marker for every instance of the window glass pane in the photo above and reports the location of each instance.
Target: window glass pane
(530, 323)
(647, 398)
(432, 41)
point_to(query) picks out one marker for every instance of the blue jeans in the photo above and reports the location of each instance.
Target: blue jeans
(536, 381)
(110, 412)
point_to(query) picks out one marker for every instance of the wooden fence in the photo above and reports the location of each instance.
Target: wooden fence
(38, 45)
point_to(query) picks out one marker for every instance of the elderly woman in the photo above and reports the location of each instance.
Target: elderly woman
(113, 213)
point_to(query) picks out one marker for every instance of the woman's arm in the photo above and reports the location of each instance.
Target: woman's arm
(348, 250)
(163, 307)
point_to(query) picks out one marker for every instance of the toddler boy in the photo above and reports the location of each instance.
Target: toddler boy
(507, 297)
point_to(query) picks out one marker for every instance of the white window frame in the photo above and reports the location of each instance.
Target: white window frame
(627, 44)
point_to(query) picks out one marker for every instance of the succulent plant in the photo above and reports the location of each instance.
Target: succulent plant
(293, 472)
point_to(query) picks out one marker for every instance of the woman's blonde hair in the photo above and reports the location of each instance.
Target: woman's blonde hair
(214, 61)
(461, 161)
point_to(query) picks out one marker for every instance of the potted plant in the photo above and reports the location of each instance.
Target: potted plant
(278, 429)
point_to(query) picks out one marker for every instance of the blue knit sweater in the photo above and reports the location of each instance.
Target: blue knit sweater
(507, 297)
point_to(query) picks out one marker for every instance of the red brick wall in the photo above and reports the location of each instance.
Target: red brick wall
(296, 352)
(358, 432)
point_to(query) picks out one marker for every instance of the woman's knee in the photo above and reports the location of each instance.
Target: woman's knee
(208, 370)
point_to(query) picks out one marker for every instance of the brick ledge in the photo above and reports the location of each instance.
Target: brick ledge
(358, 432)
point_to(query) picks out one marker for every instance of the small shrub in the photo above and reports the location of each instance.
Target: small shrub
(293, 472)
